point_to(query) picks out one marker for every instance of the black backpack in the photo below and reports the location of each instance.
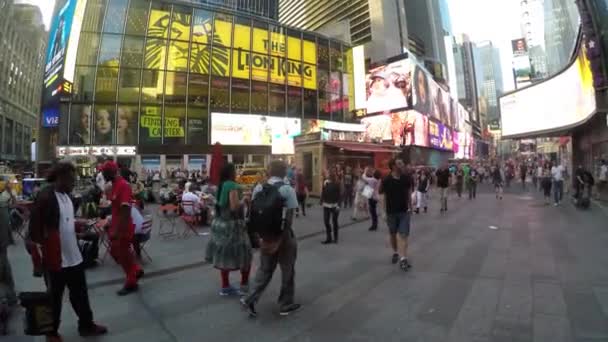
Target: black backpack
(266, 216)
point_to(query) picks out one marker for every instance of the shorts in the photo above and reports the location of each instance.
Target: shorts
(398, 223)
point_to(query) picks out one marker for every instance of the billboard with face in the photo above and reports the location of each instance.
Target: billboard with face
(389, 87)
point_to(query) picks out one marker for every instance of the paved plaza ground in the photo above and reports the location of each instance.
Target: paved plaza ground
(488, 270)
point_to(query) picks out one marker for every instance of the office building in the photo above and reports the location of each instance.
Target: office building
(166, 81)
(464, 51)
(489, 83)
(22, 41)
(561, 30)
(533, 31)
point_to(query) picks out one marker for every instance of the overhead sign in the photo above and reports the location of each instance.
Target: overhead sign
(78, 151)
(173, 126)
(50, 117)
(561, 102)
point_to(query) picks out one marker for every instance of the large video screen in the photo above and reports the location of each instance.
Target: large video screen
(404, 128)
(561, 102)
(388, 87)
(58, 42)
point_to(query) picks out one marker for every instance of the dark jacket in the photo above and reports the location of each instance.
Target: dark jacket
(331, 193)
(44, 228)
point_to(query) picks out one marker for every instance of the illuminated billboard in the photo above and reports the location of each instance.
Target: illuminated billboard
(561, 102)
(255, 130)
(404, 128)
(388, 87)
(58, 43)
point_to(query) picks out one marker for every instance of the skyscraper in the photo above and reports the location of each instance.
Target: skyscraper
(22, 42)
(533, 31)
(464, 51)
(489, 82)
(561, 29)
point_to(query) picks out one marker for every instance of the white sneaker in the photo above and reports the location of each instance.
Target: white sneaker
(555, 204)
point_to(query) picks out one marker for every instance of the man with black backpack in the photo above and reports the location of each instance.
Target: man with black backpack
(271, 218)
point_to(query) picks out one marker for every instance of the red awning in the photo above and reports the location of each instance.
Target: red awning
(362, 147)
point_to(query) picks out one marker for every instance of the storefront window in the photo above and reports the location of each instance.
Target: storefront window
(80, 124)
(180, 23)
(156, 53)
(93, 15)
(137, 19)
(128, 86)
(126, 132)
(106, 83)
(223, 30)
(322, 86)
(240, 96)
(115, 16)
(294, 102)
(202, 26)
(84, 80)
(178, 56)
(152, 86)
(276, 99)
(104, 118)
(175, 120)
(175, 88)
(87, 49)
(220, 97)
(160, 17)
(309, 76)
(323, 53)
(132, 52)
(310, 104)
(197, 125)
(198, 90)
(335, 57)
(109, 53)
(259, 97)
(200, 58)
(150, 126)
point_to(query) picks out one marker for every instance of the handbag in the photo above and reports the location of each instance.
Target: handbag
(38, 313)
(368, 192)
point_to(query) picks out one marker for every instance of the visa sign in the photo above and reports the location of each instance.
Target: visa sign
(50, 117)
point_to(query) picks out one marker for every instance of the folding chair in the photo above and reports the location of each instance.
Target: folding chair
(167, 216)
(101, 228)
(191, 220)
(144, 236)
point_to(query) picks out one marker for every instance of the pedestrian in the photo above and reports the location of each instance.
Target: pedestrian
(498, 181)
(301, 192)
(471, 181)
(397, 190)
(7, 200)
(361, 204)
(523, 172)
(540, 169)
(122, 229)
(52, 227)
(229, 248)
(272, 218)
(330, 201)
(557, 177)
(603, 179)
(459, 180)
(546, 182)
(422, 191)
(443, 182)
(348, 182)
(371, 178)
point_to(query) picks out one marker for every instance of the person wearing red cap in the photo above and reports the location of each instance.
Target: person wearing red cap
(122, 228)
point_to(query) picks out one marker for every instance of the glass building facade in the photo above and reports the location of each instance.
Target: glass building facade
(150, 73)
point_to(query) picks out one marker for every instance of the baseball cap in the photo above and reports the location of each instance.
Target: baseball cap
(109, 166)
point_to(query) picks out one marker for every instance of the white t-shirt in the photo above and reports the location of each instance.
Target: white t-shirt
(191, 197)
(604, 173)
(539, 171)
(70, 253)
(100, 181)
(137, 218)
(557, 172)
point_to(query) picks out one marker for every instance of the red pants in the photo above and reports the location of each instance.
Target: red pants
(121, 252)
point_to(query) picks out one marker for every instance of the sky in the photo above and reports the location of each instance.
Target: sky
(46, 6)
(499, 23)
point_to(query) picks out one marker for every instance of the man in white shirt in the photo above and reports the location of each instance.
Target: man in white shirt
(53, 227)
(557, 175)
(100, 181)
(190, 197)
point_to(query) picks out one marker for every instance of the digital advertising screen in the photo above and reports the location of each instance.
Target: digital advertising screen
(255, 130)
(58, 43)
(388, 87)
(563, 101)
(440, 136)
(410, 128)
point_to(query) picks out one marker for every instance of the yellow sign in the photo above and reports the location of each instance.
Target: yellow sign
(173, 128)
(268, 56)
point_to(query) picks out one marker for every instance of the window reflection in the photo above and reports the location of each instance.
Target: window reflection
(93, 15)
(197, 125)
(259, 97)
(132, 52)
(137, 18)
(109, 52)
(240, 96)
(115, 16)
(294, 102)
(175, 89)
(88, 47)
(152, 86)
(84, 80)
(198, 90)
(220, 99)
(105, 86)
(128, 86)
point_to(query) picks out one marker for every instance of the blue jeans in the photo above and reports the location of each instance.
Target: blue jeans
(558, 190)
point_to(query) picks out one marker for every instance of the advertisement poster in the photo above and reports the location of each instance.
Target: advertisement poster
(442, 106)
(389, 87)
(423, 92)
(315, 125)
(242, 129)
(440, 136)
(456, 144)
(409, 128)
(377, 128)
(57, 44)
